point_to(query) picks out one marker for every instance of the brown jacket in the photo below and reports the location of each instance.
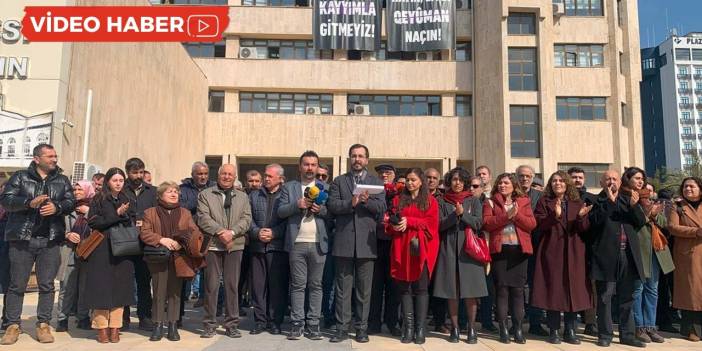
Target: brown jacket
(687, 254)
(151, 234)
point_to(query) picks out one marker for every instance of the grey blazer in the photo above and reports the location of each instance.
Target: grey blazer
(211, 217)
(355, 227)
(287, 210)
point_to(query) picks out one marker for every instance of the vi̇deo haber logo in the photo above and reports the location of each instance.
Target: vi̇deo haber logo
(124, 23)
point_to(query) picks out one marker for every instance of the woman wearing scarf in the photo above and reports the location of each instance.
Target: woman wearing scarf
(508, 217)
(561, 283)
(73, 277)
(458, 276)
(414, 228)
(172, 228)
(655, 255)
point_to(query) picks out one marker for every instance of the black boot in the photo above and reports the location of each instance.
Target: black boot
(157, 332)
(420, 309)
(519, 333)
(407, 319)
(455, 335)
(504, 332)
(173, 331)
(570, 337)
(472, 335)
(554, 337)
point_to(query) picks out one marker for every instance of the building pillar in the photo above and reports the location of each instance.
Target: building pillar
(231, 101)
(340, 102)
(446, 164)
(232, 46)
(448, 105)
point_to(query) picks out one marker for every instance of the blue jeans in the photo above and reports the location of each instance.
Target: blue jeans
(646, 297)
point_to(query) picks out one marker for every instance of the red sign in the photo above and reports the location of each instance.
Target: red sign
(125, 23)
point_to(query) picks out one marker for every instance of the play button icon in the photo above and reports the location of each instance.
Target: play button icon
(203, 26)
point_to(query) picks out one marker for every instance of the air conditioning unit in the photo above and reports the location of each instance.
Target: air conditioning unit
(462, 4)
(253, 53)
(84, 171)
(363, 110)
(425, 56)
(558, 9)
(314, 111)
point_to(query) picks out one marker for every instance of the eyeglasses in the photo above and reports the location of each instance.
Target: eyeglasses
(322, 176)
(475, 186)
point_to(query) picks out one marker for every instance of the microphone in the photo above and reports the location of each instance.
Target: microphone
(317, 194)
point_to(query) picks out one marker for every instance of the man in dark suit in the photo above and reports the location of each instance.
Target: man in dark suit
(307, 242)
(616, 258)
(355, 242)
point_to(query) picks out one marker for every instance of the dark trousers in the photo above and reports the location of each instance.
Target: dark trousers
(23, 255)
(510, 298)
(535, 314)
(228, 265)
(245, 278)
(624, 289)
(665, 309)
(167, 293)
(487, 303)
(4, 276)
(354, 276)
(269, 286)
(143, 287)
(328, 290)
(384, 301)
(691, 322)
(554, 320)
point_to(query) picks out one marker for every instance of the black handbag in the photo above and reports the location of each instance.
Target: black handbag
(124, 241)
(153, 254)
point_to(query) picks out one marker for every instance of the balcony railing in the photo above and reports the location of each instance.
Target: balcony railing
(685, 105)
(698, 105)
(685, 76)
(684, 90)
(698, 91)
(687, 136)
(698, 76)
(689, 151)
(687, 121)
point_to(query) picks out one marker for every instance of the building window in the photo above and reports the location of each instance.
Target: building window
(697, 54)
(698, 71)
(521, 24)
(682, 70)
(582, 7)
(649, 63)
(689, 160)
(394, 105)
(593, 172)
(522, 69)
(682, 54)
(284, 50)
(11, 147)
(216, 101)
(624, 114)
(621, 62)
(686, 115)
(579, 55)
(463, 51)
(463, 105)
(25, 146)
(217, 49)
(684, 84)
(684, 99)
(524, 131)
(289, 103)
(687, 146)
(43, 138)
(687, 131)
(577, 108)
(620, 13)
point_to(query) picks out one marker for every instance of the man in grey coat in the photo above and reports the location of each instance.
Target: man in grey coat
(355, 242)
(224, 216)
(306, 241)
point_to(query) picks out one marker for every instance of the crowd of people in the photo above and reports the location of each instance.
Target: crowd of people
(354, 253)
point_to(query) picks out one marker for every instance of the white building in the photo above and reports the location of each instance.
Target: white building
(19, 134)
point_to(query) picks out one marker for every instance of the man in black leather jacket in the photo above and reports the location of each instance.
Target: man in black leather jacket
(37, 200)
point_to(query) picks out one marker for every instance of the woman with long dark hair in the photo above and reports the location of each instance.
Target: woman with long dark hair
(507, 216)
(458, 276)
(109, 278)
(414, 227)
(561, 283)
(655, 256)
(686, 227)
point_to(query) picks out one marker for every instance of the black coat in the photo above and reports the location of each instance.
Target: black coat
(355, 227)
(21, 189)
(606, 220)
(109, 279)
(264, 215)
(147, 198)
(453, 264)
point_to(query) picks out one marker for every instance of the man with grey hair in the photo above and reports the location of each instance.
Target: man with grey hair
(525, 177)
(269, 261)
(224, 216)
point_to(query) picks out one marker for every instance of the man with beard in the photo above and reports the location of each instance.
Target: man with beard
(141, 196)
(36, 200)
(486, 180)
(355, 242)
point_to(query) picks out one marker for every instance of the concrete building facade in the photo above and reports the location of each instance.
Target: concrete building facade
(549, 83)
(672, 94)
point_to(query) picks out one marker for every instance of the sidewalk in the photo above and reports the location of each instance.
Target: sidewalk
(84, 340)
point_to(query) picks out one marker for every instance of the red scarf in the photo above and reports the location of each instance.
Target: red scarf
(456, 198)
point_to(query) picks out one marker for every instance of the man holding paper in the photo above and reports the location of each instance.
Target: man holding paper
(357, 210)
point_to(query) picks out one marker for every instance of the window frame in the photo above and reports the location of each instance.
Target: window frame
(522, 75)
(285, 102)
(386, 105)
(524, 141)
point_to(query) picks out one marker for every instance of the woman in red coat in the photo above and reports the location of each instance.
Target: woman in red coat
(507, 216)
(414, 227)
(561, 283)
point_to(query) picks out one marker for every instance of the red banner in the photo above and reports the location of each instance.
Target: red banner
(125, 23)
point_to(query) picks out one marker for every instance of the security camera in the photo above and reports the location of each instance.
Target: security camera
(67, 123)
